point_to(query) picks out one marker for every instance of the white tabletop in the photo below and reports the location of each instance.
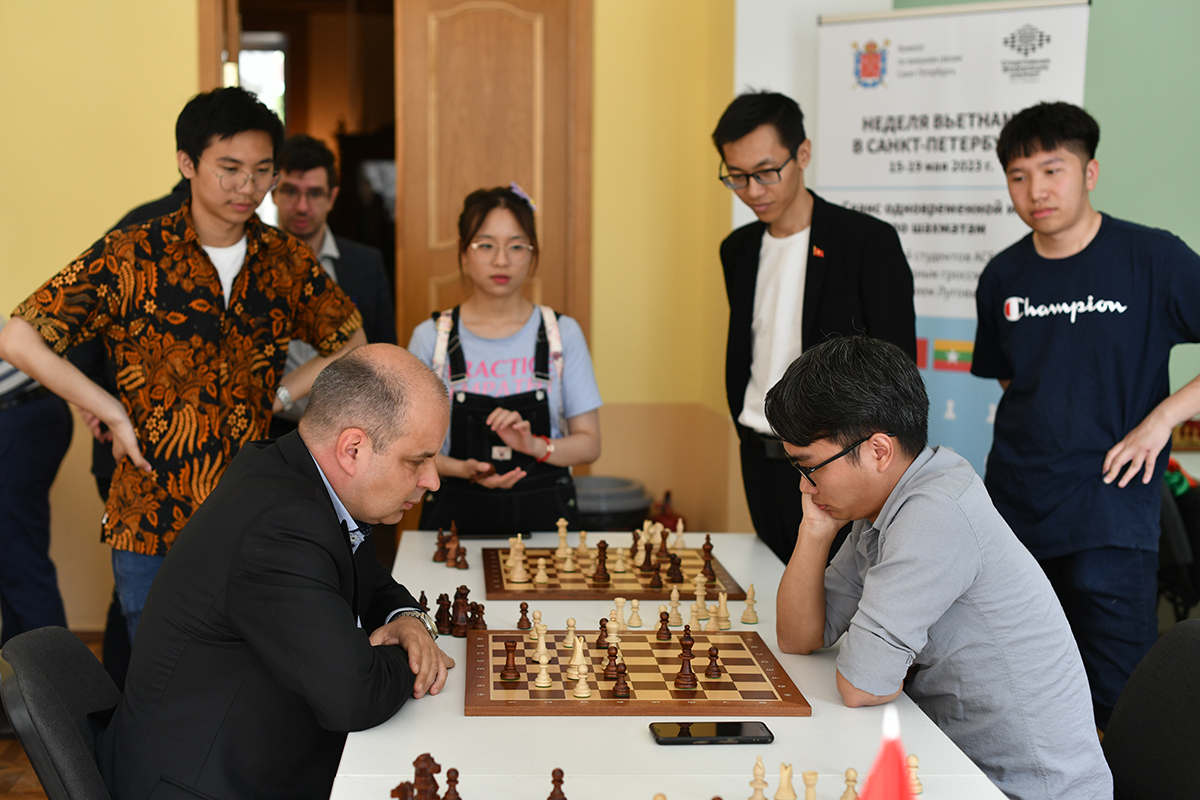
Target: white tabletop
(511, 758)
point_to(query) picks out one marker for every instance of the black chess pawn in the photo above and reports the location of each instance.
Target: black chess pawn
(477, 623)
(656, 581)
(664, 627)
(675, 571)
(439, 555)
(602, 639)
(556, 778)
(621, 687)
(523, 624)
(713, 670)
(451, 785)
(424, 601)
(460, 558)
(610, 669)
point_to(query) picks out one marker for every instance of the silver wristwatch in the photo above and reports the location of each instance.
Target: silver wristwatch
(424, 619)
(284, 397)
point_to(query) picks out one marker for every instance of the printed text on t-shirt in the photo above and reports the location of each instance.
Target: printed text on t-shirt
(1017, 307)
(502, 377)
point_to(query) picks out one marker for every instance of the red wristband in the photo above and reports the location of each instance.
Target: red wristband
(549, 447)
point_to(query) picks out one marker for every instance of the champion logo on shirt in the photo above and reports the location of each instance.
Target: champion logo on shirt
(1017, 307)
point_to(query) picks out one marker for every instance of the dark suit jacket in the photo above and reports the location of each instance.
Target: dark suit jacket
(248, 668)
(361, 275)
(861, 284)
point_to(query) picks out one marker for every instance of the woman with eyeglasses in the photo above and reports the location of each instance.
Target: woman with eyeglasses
(524, 400)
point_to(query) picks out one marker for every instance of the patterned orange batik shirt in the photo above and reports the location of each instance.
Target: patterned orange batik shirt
(197, 379)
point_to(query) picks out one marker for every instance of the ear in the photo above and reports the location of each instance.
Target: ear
(352, 450)
(333, 193)
(1091, 173)
(882, 450)
(804, 154)
(186, 167)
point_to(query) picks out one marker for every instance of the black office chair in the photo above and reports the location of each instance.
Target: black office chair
(58, 697)
(1152, 741)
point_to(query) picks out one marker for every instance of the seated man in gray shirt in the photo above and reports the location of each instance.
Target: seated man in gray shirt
(935, 594)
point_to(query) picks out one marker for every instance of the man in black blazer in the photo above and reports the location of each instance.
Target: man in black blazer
(307, 189)
(270, 631)
(806, 271)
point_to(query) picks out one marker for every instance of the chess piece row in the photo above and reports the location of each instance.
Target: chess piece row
(424, 785)
(787, 792)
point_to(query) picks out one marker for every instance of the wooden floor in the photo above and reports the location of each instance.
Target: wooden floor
(17, 779)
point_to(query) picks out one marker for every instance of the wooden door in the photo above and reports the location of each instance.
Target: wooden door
(490, 92)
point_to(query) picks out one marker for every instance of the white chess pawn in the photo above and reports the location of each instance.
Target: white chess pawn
(621, 623)
(569, 639)
(635, 619)
(537, 620)
(674, 618)
(914, 783)
(786, 790)
(569, 564)
(694, 622)
(518, 574)
(543, 677)
(581, 686)
(540, 576)
(851, 792)
(621, 565)
(581, 552)
(713, 623)
(723, 611)
(750, 616)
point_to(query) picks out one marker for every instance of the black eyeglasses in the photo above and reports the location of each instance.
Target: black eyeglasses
(808, 471)
(765, 177)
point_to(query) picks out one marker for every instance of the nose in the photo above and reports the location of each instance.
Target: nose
(429, 480)
(806, 486)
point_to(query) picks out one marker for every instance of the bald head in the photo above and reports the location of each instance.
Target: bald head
(375, 388)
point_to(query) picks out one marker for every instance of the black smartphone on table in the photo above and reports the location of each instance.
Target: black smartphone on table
(711, 733)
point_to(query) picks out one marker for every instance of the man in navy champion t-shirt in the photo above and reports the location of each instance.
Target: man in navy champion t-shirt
(1077, 321)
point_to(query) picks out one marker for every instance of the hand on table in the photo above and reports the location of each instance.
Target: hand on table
(426, 660)
(1139, 448)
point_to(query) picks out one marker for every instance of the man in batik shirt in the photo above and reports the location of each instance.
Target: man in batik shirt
(195, 310)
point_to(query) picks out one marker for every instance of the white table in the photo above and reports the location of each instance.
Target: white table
(615, 758)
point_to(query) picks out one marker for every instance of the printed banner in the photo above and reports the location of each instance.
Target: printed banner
(909, 108)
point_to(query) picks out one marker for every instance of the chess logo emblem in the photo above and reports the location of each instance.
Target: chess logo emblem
(870, 63)
(1026, 39)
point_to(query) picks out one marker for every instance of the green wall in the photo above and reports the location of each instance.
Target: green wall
(1143, 88)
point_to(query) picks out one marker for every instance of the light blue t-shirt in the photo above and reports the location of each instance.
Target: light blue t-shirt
(503, 367)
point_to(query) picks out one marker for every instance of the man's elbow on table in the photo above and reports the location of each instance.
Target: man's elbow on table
(854, 697)
(791, 641)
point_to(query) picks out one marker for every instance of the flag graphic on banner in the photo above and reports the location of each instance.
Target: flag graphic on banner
(952, 354)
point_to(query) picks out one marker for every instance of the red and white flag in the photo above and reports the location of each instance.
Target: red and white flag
(888, 779)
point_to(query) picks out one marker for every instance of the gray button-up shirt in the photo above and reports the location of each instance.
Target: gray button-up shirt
(940, 581)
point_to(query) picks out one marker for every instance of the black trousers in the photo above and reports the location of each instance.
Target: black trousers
(773, 493)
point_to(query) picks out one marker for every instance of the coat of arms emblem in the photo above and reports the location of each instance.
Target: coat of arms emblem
(870, 63)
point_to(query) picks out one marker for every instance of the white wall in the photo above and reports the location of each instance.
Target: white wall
(776, 48)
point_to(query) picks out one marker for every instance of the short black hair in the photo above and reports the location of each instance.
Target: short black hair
(302, 152)
(750, 110)
(1045, 127)
(848, 388)
(224, 113)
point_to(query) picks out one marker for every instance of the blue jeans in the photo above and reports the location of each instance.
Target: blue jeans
(1110, 596)
(34, 437)
(133, 573)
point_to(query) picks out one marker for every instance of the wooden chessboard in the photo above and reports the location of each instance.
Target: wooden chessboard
(579, 586)
(753, 681)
